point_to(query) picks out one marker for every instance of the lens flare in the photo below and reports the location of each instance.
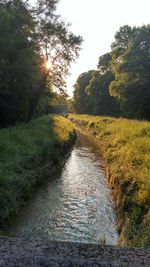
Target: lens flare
(48, 65)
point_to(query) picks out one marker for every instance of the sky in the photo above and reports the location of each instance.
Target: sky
(97, 21)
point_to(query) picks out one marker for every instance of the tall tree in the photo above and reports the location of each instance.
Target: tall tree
(29, 38)
(81, 98)
(20, 61)
(102, 103)
(132, 80)
(91, 93)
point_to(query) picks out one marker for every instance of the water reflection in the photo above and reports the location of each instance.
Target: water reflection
(77, 206)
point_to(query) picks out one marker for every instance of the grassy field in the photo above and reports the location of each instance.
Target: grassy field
(125, 146)
(28, 154)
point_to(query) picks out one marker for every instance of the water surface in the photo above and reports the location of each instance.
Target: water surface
(77, 206)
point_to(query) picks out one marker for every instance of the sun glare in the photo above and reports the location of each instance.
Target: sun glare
(48, 65)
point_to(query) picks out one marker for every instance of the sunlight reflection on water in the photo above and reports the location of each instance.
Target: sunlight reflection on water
(75, 207)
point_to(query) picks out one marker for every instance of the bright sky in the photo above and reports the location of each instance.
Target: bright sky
(97, 21)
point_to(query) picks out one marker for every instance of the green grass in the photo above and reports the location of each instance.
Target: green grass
(28, 153)
(125, 146)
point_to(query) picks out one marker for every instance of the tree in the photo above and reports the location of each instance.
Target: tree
(98, 89)
(132, 80)
(123, 39)
(20, 61)
(58, 45)
(58, 104)
(105, 63)
(81, 98)
(29, 37)
(91, 93)
(101, 101)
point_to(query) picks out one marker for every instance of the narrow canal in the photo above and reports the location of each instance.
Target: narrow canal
(77, 206)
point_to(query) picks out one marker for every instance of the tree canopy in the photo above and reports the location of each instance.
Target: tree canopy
(81, 99)
(121, 84)
(91, 93)
(30, 38)
(132, 75)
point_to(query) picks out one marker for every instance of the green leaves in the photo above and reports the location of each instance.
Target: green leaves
(131, 67)
(29, 37)
(91, 93)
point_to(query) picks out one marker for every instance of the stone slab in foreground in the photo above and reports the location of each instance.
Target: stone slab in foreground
(25, 253)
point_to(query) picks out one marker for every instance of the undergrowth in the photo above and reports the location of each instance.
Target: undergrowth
(28, 153)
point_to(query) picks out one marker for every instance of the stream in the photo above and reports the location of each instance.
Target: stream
(77, 206)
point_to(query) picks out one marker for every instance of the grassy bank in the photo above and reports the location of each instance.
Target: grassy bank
(28, 154)
(125, 146)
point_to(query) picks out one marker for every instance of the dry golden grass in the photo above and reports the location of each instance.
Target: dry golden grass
(125, 146)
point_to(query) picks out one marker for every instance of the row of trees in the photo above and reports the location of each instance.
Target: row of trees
(121, 84)
(30, 37)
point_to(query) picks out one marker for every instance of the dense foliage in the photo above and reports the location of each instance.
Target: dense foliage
(131, 65)
(30, 38)
(81, 98)
(91, 93)
(121, 84)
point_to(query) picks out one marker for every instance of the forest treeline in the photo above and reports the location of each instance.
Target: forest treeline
(121, 84)
(34, 35)
(36, 49)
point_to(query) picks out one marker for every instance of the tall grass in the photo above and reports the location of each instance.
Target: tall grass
(125, 146)
(27, 152)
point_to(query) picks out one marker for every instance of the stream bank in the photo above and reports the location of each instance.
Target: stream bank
(76, 206)
(30, 153)
(125, 147)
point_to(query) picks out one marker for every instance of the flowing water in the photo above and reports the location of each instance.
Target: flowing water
(77, 206)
